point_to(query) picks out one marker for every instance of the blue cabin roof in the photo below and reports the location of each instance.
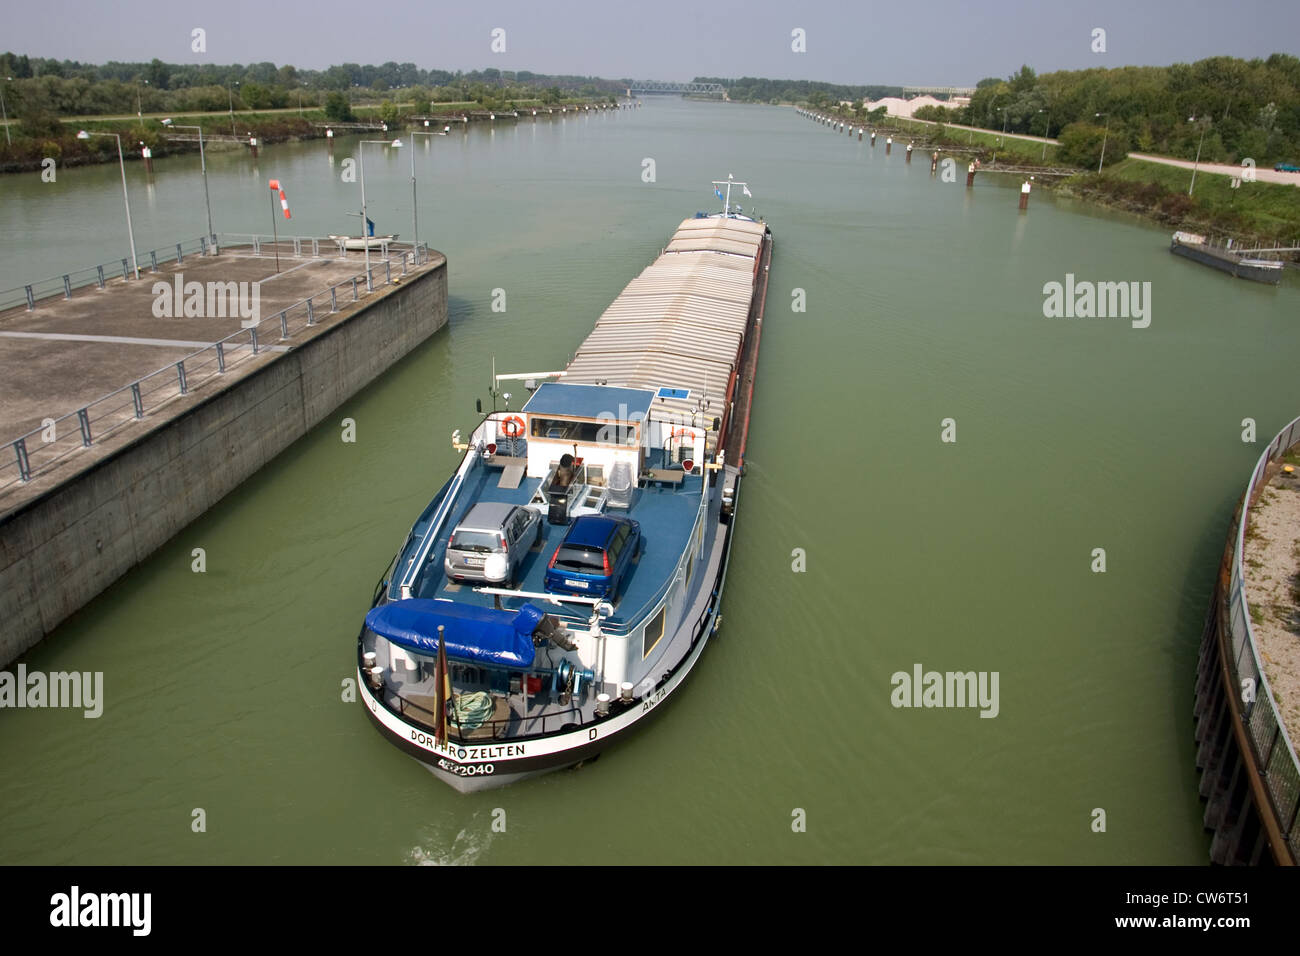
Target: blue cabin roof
(590, 401)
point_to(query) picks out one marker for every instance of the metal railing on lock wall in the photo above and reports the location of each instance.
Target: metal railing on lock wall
(1273, 750)
(27, 456)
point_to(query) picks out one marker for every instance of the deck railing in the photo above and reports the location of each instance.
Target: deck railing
(27, 456)
(550, 721)
(1274, 753)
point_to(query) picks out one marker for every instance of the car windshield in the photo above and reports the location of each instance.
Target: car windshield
(475, 541)
(581, 559)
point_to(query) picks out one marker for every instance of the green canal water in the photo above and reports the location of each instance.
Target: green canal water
(924, 302)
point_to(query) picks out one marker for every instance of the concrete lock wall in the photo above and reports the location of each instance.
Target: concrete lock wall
(60, 550)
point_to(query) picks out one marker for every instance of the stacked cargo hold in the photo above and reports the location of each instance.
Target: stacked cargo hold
(680, 326)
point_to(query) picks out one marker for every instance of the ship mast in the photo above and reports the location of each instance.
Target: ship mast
(726, 212)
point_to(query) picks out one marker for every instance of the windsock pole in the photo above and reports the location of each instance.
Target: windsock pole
(284, 204)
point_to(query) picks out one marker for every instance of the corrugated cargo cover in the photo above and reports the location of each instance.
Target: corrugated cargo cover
(681, 322)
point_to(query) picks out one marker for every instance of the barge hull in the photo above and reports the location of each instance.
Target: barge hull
(1227, 263)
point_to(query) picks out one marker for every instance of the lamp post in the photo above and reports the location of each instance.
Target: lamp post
(139, 114)
(4, 112)
(415, 212)
(203, 163)
(1104, 137)
(231, 92)
(361, 166)
(130, 233)
(1205, 125)
(1047, 133)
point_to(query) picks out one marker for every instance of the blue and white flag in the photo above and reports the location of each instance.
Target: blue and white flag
(747, 192)
(370, 226)
(718, 192)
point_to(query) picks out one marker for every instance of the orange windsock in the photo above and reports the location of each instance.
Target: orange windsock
(284, 203)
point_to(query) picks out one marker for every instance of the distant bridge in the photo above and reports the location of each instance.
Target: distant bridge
(655, 86)
(941, 90)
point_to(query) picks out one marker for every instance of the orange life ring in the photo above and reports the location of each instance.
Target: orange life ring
(683, 434)
(513, 427)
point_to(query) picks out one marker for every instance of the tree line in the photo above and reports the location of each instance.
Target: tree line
(42, 89)
(1229, 108)
(750, 89)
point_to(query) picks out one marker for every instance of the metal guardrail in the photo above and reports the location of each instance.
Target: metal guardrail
(40, 449)
(498, 727)
(1232, 247)
(29, 294)
(1274, 752)
(61, 286)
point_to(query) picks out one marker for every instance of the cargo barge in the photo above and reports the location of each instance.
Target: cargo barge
(1189, 245)
(568, 576)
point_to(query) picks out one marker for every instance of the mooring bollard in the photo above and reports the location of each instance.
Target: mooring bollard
(873, 137)
(1024, 195)
(252, 144)
(889, 144)
(909, 152)
(147, 154)
(970, 175)
(859, 134)
(934, 161)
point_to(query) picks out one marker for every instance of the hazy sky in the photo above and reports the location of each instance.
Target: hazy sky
(937, 42)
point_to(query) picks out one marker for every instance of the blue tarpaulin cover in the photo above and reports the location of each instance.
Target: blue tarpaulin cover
(479, 634)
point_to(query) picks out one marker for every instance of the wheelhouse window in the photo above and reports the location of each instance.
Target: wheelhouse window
(606, 432)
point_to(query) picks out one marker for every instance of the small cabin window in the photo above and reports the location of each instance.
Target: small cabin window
(654, 631)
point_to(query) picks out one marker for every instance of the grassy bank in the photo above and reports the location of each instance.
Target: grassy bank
(1006, 148)
(987, 145)
(60, 142)
(1254, 212)
(1268, 213)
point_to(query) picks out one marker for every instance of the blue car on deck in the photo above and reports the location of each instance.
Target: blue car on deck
(595, 556)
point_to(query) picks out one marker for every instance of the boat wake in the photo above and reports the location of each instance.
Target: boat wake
(464, 849)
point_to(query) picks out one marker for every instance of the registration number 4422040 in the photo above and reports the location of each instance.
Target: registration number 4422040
(575, 584)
